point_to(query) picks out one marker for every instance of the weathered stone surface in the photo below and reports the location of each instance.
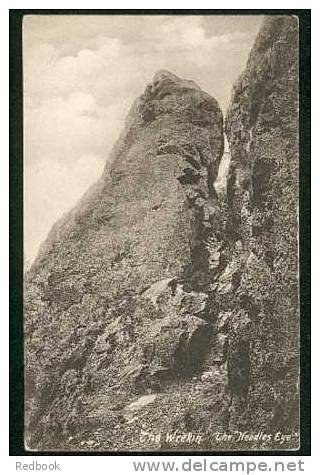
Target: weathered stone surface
(141, 402)
(262, 128)
(157, 289)
(180, 343)
(118, 291)
(155, 293)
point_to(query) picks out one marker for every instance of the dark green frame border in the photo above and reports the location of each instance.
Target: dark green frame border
(16, 224)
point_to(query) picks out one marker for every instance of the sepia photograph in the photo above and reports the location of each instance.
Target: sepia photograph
(161, 302)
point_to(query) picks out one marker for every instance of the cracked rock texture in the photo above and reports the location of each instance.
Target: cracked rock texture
(160, 305)
(117, 302)
(262, 128)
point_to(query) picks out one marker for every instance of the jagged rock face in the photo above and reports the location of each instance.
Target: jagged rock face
(157, 305)
(262, 129)
(117, 296)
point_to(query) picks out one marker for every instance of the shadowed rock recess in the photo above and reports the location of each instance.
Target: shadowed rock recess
(160, 307)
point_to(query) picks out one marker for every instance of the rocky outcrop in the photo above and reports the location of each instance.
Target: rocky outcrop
(162, 304)
(117, 299)
(262, 129)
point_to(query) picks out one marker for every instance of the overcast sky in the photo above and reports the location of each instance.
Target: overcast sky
(81, 75)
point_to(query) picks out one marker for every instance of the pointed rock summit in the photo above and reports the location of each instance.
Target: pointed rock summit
(92, 331)
(163, 77)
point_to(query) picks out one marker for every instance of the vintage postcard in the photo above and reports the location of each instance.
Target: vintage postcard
(161, 232)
